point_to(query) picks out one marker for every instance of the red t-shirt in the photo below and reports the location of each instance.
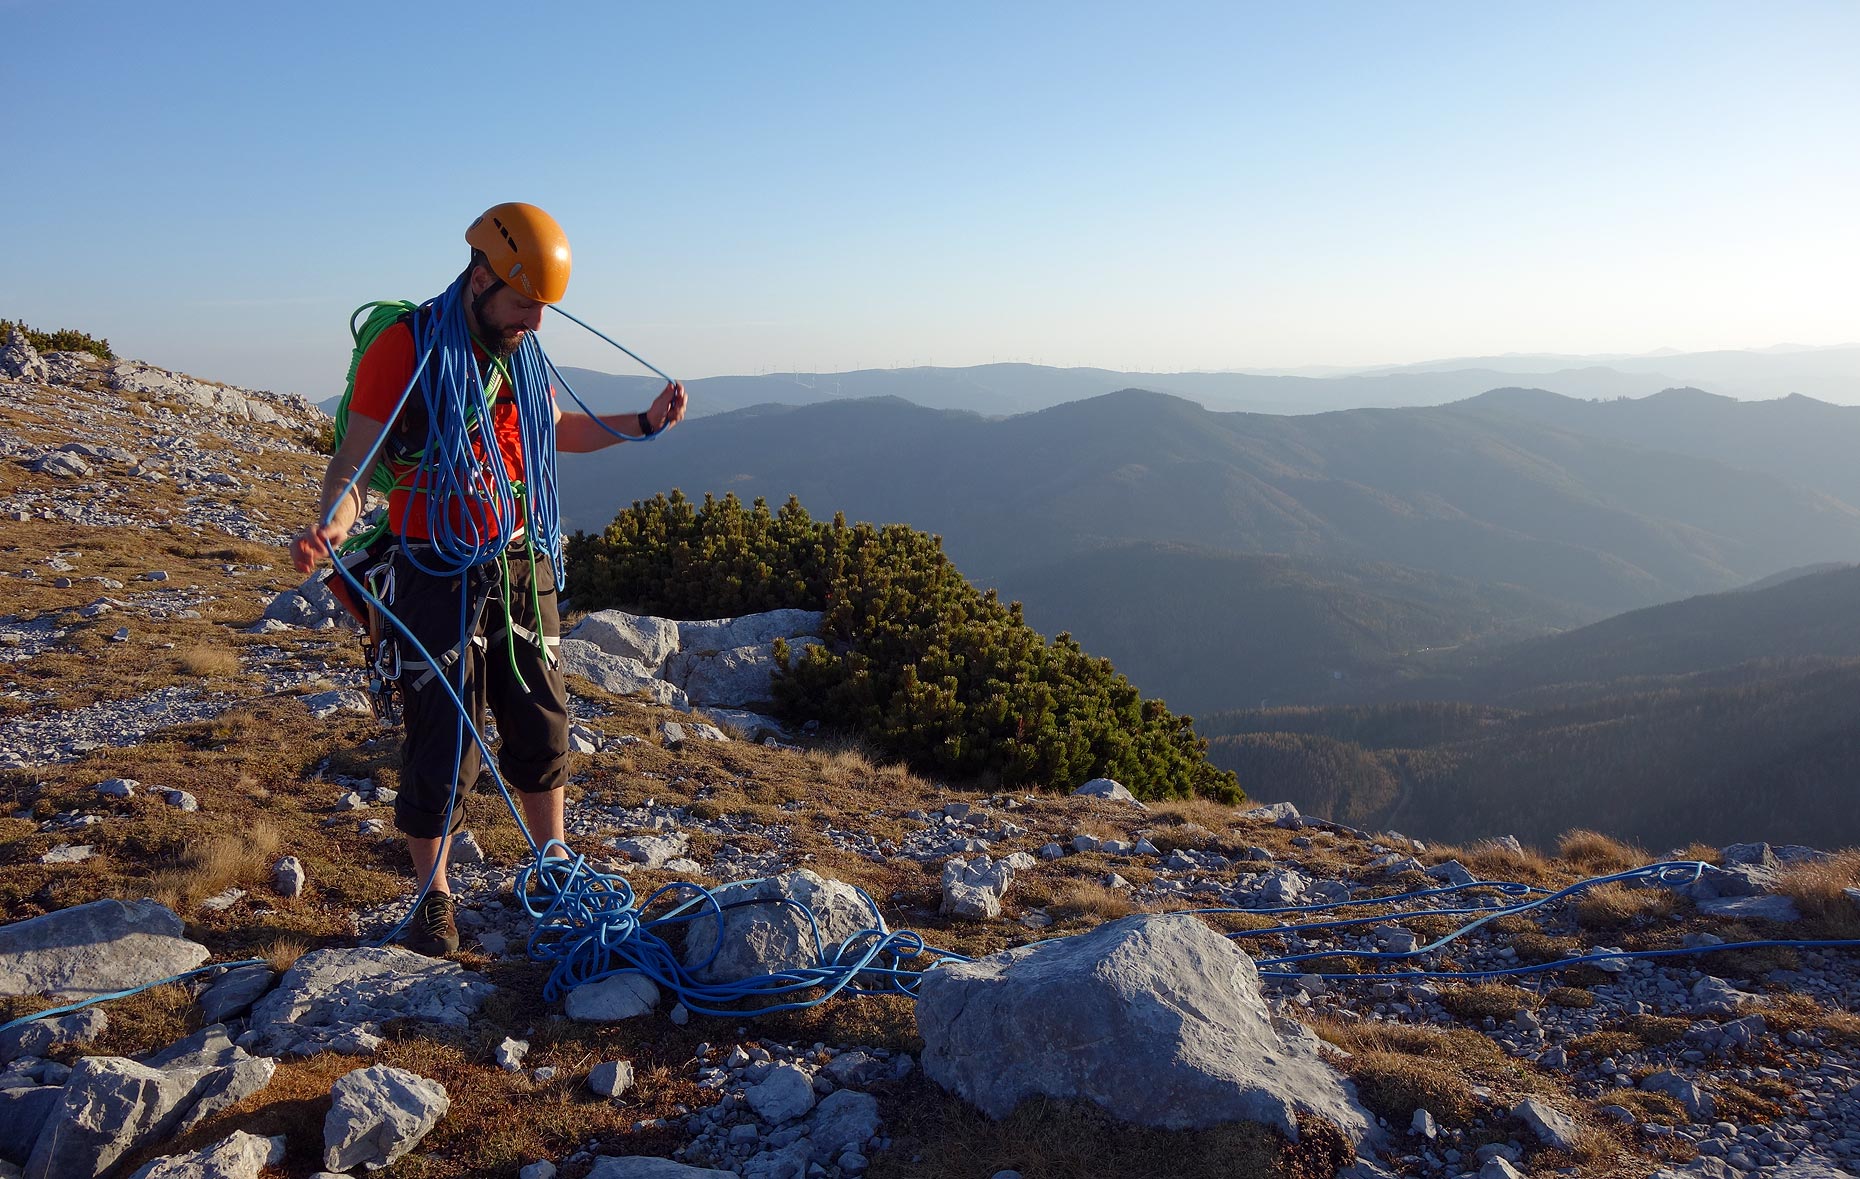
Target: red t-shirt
(380, 380)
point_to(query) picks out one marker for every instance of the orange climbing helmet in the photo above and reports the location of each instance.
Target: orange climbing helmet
(525, 248)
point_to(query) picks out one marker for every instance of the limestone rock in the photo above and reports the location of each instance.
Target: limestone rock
(330, 995)
(735, 678)
(617, 673)
(1552, 1126)
(22, 1115)
(379, 1114)
(109, 1107)
(240, 1156)
(20, 360)
(311, 606)
(1279, 814)
(1107, 788)
(784, 1094)
(1157, 1019)
(750, 726)
(844, 1120)
(61, 465)
(749, 630)
(1698, 1104)
(975, 890)
(611, 1078)
(227, 1073)
(645, 639)
(758, 939)
(1757, 908)
(323, 705)
(608, 1000)
(287, 876)
(39, 1037)
(92, 949)
(652, 850)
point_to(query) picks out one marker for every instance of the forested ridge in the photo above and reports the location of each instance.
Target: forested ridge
(916, 660)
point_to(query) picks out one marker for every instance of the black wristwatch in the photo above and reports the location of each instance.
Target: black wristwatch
(645, 427)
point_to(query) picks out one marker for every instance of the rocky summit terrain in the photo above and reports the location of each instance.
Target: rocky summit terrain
(192, 776)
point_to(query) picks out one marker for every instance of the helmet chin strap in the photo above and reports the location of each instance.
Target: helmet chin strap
(477, 306)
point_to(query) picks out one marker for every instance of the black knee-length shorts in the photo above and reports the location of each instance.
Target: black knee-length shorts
(494, 635)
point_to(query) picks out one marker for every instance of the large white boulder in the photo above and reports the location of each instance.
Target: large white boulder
(378, 1114)
(109, 1107)
(769, 933)
(643, 638)
(618, 674)
(1156, 1018)
(338, 999)
(750, 630)
(736, 677)
(90, 950)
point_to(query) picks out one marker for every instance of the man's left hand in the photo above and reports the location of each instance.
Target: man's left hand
(668, 408)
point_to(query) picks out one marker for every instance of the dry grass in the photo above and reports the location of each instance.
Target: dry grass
(1735, 1103)
(1462, 1047)
(1537, 946)
(205, 662)
(282, 953)
(1655, 1030)
(1570, 997)
(1495, 861)
(1609, 1042)
(1500, 1001)
(1817, 889)
(219, 862)
(1395, 1084)
(1596, 854)
(1793, 1012)
(1646, 1106)
(1090, 902)
(1616, 906)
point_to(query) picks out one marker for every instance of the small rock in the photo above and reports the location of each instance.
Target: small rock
(611, 1078)
(118, 787)
(379, 1114)
(621, 996)
(465, 849)
(1552, 1126)
(287, 876)
(66, 853)
(1106, 788)
(509, 1055)
(785, 1093)
(181, 800)
(219, 902)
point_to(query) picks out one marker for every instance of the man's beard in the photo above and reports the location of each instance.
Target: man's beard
(504, 345)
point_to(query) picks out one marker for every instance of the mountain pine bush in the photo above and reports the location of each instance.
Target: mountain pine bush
(62, 340)
(915, 658)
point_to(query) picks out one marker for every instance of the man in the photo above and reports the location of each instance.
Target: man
(489, 624)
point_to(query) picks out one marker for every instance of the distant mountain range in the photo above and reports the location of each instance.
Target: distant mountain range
(1698, 719)
(1829, 374)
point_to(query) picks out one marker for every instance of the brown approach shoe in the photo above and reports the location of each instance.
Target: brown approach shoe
(433, 931)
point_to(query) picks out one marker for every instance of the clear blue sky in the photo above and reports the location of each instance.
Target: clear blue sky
(750, 187)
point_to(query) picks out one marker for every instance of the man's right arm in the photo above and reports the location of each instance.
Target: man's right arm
(342, 490)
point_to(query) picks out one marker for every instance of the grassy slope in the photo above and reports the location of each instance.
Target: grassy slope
(261, 774)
